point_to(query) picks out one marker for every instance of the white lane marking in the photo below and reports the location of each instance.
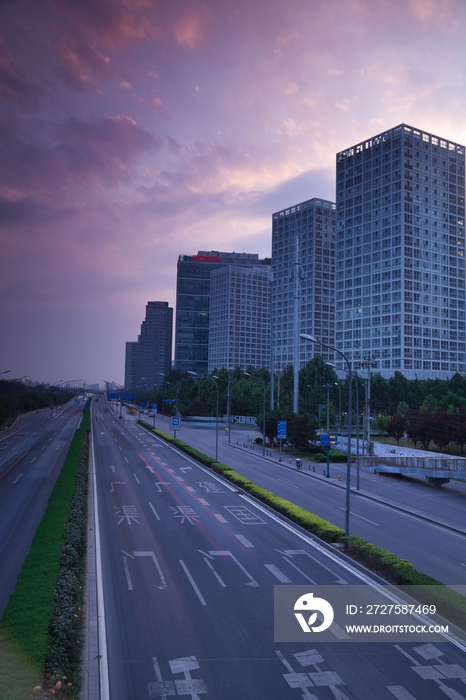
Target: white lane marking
(288, 483)
(293, 552)
(163, 580)
(33, 459)
(184, 469)
(288, 561)
(215, 573)
(277, 573)
(190, 488)
(103, 656)
(400, 693)
(220, 518)
(179, 478)
(360, 516)
(154, 511)
(226, 553)
(136, 479)
(244, 541)
(159, 484)
(116, 483)
(18, 478)
(192, 582)
(206, 503)
(126, 460)
(128, 578)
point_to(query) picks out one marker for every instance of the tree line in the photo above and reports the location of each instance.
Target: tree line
(443, 400)
(16, 398)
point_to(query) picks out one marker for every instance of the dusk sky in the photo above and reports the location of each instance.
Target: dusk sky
(134, 131)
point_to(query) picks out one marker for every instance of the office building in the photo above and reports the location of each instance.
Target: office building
(303, 259)
(239, 328)
(148, 360)
(132, 370)
(193, 305)
(400, 259)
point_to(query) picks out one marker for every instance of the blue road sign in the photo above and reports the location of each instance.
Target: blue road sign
(281, 429)
(327, 440)
(175, 422)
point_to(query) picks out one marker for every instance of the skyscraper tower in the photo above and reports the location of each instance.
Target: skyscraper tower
(156, 342)
(400, 258)
(303, 262)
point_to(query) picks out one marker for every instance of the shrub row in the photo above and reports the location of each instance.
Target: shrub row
(381, 562)
(43, 618)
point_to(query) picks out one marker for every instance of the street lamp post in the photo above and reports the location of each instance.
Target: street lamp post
(339, 406)
(246, 374)
(311, 339)
(212, 379)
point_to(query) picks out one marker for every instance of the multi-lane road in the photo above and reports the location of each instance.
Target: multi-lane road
(30, 461)
(409, 517)
(187, 566)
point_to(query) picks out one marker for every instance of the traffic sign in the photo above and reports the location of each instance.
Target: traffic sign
(328, 440)
(175, 422)
(281, 429)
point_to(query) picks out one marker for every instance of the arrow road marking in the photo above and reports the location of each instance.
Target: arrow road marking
(192, 582)
(293, 552)
(163, 580)
(224, 553)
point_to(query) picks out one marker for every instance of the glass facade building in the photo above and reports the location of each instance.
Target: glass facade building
(400, 255)
(239, 329)
(303, 289)
(193, 305)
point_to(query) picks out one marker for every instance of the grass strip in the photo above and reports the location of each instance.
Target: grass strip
(26, 627)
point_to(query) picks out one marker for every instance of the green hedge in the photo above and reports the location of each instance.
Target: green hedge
(383, 563)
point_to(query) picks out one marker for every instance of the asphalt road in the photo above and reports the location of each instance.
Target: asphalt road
(30, 461)
(404, 516)
(189, 566)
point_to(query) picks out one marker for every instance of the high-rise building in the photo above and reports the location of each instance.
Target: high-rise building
(156, 343)
(400, 260)
(193, 305)
(150, 358)
(132, 371)
(239, 328)
(303, 262)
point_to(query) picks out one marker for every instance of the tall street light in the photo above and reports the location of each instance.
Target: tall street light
(311, 339)
(212, 379)
(246, 374)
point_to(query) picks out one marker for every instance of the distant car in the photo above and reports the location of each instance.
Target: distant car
(151, 414)
(145, 411)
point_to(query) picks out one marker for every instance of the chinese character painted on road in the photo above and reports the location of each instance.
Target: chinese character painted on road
(127, 513)
(185, 513)
(244, 515)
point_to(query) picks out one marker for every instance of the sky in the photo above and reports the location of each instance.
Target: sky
(133, 131)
